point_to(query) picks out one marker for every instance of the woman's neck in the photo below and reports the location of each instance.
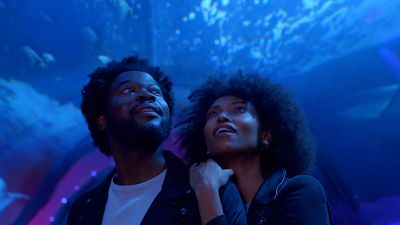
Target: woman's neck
(248, 176)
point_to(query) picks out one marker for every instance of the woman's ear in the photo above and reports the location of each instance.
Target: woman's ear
(101, 122)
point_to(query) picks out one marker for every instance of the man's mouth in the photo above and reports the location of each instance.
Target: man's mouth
(145, 110)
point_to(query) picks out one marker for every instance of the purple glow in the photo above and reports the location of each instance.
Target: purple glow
(93, 173)
(64, 201)
(78, 174)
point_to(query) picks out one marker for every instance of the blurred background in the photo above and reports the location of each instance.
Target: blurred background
(339, 58)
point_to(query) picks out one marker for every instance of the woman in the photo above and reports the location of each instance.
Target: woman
(253, 129)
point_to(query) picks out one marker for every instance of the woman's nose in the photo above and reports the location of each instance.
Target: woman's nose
(223, 117)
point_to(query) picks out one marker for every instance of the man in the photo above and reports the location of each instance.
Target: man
(128, 107)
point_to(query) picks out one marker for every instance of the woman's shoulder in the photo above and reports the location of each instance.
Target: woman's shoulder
(304, 186)
(297, 200)
(303, 180)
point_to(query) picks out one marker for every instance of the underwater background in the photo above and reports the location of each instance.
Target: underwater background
(339, 58)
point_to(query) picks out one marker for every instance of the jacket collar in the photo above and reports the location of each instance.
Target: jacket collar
(175, 186)
(269, 190)
(176, 183)
(175, 203)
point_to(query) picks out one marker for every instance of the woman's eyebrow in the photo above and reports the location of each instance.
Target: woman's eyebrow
(214, 107)
(238, 102)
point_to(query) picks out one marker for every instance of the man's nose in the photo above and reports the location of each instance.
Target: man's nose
(145, 95)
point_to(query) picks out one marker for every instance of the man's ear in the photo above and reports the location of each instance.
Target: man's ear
(266, 136)
(101, 122)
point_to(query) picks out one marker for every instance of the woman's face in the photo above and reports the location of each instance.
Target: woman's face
(232, 127)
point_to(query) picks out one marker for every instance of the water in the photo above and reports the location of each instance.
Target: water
(340, 59)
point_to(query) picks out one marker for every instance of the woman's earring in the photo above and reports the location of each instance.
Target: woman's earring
(265, 144)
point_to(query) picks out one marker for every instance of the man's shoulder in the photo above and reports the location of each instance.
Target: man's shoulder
(90, 203)
(174, 162)
(177, 172)
(84, 197)
(98, 190)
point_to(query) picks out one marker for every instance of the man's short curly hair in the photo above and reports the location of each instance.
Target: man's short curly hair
(95, 93)
(292, 147)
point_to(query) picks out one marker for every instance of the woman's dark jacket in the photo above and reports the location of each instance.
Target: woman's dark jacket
(298, 200)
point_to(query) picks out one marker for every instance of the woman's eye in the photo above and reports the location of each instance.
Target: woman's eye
(240, 109)
(211, 114)
(128, 91)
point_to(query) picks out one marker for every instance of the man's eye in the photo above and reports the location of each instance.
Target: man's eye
(128, 91)
(155, 91)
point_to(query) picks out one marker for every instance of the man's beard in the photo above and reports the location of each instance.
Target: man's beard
(146, 137)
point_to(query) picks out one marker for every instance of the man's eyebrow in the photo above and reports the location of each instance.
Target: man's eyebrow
(121, 83)
(150, 84)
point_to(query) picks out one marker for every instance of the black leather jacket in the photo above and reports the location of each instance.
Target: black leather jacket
(175, 204)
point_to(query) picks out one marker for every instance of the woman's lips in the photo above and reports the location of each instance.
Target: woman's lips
(224, 129)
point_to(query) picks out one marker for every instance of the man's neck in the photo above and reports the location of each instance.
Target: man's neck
(136, 165)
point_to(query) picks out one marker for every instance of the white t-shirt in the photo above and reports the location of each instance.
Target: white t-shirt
(127, 204)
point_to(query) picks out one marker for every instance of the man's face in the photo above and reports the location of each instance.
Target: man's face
(137, 115)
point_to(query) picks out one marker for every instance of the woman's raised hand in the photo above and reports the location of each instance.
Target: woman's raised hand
(206, 179)
(208, 175)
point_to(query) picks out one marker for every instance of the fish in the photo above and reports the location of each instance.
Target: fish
(33, 57)
(46, 18)
(90, 36)
(48, 57)
(123, 8)
(104, 59)
(368, 104)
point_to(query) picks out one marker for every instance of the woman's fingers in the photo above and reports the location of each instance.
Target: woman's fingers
(208, 175)
(211, 162)
(228, 172)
